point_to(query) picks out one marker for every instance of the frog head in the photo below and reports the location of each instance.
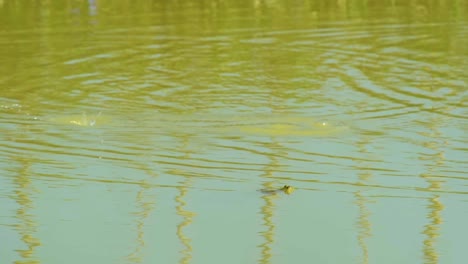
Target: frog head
(287, 189)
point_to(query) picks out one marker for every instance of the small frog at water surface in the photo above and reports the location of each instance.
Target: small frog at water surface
(287, 189)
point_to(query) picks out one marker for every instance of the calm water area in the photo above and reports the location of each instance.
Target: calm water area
(163, 131)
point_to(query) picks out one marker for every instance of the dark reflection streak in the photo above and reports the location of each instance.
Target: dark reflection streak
(358, 86)
(205, 166)
(339, 157)
(418, 95)
(298, 159)
(104, 180)
(380, 110)
(27, 226)
(184, 173)
(214, 161)
(242, 149)
(360, 185)
(363, 84)
(392, 115)
(398, 196)
(369, 168)
(20, 146)
(227, 168)
(21, 150)
(109, 181)
(443, 113)
(451, 177)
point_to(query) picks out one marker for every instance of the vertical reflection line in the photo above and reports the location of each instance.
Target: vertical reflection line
(27, 226)
(145, 206)
(186, 215)
(432, 230)
(435, 207)
(268, 208)
(268, 234)
(363, 223)
(187, 220)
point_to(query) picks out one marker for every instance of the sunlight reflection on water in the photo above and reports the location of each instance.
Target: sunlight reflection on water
(146, 133)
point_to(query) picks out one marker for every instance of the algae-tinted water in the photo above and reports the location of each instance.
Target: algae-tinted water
(142, 132)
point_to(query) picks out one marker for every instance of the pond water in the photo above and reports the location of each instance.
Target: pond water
(143, 133)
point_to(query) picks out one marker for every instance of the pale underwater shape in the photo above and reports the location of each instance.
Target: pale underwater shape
(80, 120)
(282, 125)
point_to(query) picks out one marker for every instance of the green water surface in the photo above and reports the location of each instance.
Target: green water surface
(142, 131)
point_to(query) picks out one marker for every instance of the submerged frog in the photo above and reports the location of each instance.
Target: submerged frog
(286, 189)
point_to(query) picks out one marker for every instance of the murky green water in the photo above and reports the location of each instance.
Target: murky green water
(142, 133)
